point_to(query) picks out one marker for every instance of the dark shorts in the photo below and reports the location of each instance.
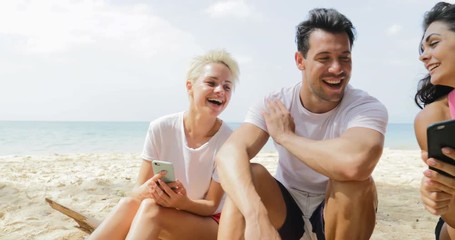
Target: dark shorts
(293, 226)
(438, 228)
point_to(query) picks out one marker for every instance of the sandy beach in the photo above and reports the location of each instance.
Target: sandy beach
(93, 184)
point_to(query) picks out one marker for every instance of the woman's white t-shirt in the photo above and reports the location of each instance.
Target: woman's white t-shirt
(195, 168)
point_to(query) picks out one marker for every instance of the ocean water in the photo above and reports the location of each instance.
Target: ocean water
(41, 138)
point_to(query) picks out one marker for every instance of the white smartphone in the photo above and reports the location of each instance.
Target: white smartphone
(159, 166)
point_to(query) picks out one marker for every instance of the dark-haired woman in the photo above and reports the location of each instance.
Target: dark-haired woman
(436, 95)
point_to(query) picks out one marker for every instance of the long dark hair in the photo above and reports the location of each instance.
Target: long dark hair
(426, 91)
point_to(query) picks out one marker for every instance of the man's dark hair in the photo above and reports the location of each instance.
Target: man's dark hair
(329, 20)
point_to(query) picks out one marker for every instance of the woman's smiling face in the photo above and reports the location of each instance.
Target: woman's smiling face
(438, 53)
(212, 90)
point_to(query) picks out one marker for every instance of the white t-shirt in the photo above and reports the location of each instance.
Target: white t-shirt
(195, 168)
(357, 109)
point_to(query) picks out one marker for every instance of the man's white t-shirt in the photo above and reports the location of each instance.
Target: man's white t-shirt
(357, 109)
(195, 168)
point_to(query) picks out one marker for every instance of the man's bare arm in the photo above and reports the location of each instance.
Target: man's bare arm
(350, 157)
(233, 165)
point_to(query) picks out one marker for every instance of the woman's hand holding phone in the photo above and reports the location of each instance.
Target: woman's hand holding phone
(437, 190)
(162, 187)
(170, 195)
(148, 187)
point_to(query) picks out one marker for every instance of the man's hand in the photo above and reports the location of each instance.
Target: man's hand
(261, 228)
(278, 120)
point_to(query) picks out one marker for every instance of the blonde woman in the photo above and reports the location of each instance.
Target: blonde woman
(190, 207)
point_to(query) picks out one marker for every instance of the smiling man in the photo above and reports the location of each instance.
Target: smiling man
(329, 137)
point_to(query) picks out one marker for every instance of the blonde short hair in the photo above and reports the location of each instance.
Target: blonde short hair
(213, 56)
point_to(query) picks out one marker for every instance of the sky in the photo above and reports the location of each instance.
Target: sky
(114, 60)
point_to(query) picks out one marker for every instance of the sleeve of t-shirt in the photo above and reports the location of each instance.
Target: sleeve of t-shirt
(371, 115)
(254, 114)
(149, 152)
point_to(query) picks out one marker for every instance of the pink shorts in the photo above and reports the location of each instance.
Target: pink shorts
(216, 217)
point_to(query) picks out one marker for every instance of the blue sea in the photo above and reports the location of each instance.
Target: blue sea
(22, 138)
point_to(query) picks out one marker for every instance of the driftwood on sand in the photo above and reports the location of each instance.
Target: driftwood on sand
(86, 224)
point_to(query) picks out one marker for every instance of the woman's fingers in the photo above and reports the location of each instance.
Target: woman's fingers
(439, 181)
(433, 198)
(443, 166)
(165, 188)
(424, 156)
(160, 196)
(436, 207)
(180, 189)
(449, 152)
(158, 175)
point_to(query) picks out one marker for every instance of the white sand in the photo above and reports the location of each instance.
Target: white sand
(93, 184)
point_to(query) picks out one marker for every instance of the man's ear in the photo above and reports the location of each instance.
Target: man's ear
(299, 60)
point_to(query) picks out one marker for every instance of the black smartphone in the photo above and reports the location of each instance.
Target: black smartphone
(439, 135)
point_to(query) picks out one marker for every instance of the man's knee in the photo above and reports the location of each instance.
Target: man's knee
(350, 210)
(353, 192)
(353, 188)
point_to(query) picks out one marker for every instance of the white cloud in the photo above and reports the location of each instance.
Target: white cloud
(230, 8)
(53, 26)
(394, 30)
